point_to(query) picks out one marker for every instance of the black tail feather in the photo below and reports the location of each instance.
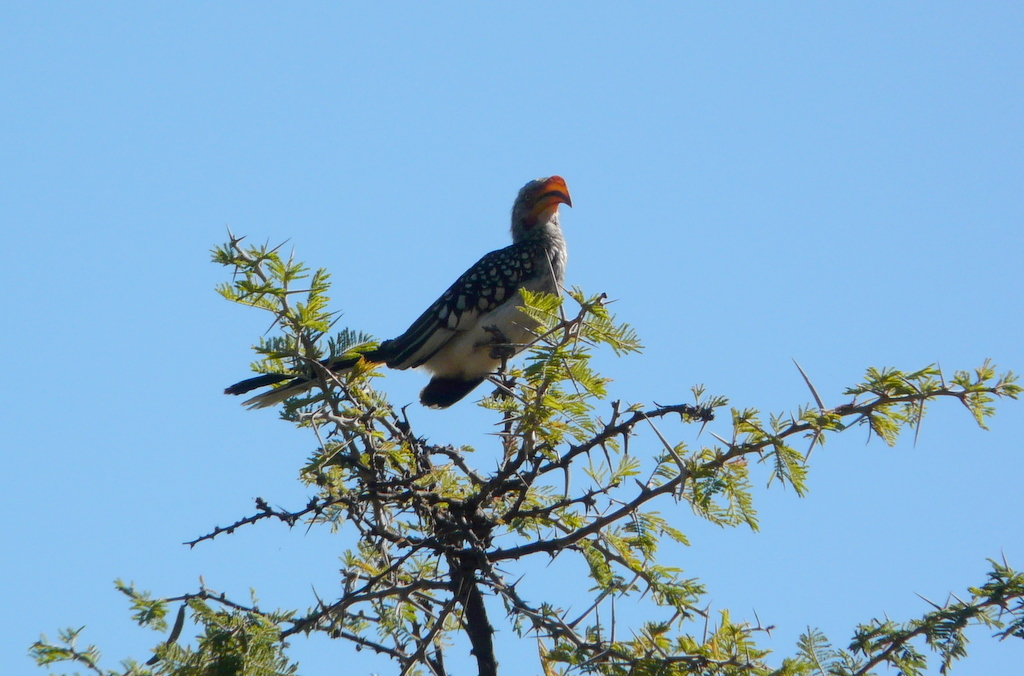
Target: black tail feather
(443, 392)
(259, 381)
(297, 386)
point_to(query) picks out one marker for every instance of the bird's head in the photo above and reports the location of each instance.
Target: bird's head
(538, 202)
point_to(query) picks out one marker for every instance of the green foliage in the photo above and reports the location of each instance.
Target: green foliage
(46, 653)
(575, 476)
(234, 642)
(148, 612)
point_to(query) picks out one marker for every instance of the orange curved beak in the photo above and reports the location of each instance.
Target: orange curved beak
(550, 194)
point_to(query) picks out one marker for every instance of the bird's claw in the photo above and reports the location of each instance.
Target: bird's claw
(501, 347)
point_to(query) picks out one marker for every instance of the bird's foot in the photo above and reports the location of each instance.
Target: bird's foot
(501, 347)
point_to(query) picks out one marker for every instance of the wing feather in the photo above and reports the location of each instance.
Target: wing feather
(485, 286)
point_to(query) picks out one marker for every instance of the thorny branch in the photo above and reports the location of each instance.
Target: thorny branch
(428, 523)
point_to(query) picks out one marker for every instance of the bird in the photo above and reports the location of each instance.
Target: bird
(477, 324)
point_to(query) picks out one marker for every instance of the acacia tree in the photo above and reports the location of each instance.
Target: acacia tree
(437, 536)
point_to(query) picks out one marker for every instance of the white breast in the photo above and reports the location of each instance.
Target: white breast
(467, 354)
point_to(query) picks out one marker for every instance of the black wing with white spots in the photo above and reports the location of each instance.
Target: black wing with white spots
(493, 281)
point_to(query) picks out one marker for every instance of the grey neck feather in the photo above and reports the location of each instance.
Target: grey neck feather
(549, 234)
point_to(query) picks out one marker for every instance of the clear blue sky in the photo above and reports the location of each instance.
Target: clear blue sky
(839, 184)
